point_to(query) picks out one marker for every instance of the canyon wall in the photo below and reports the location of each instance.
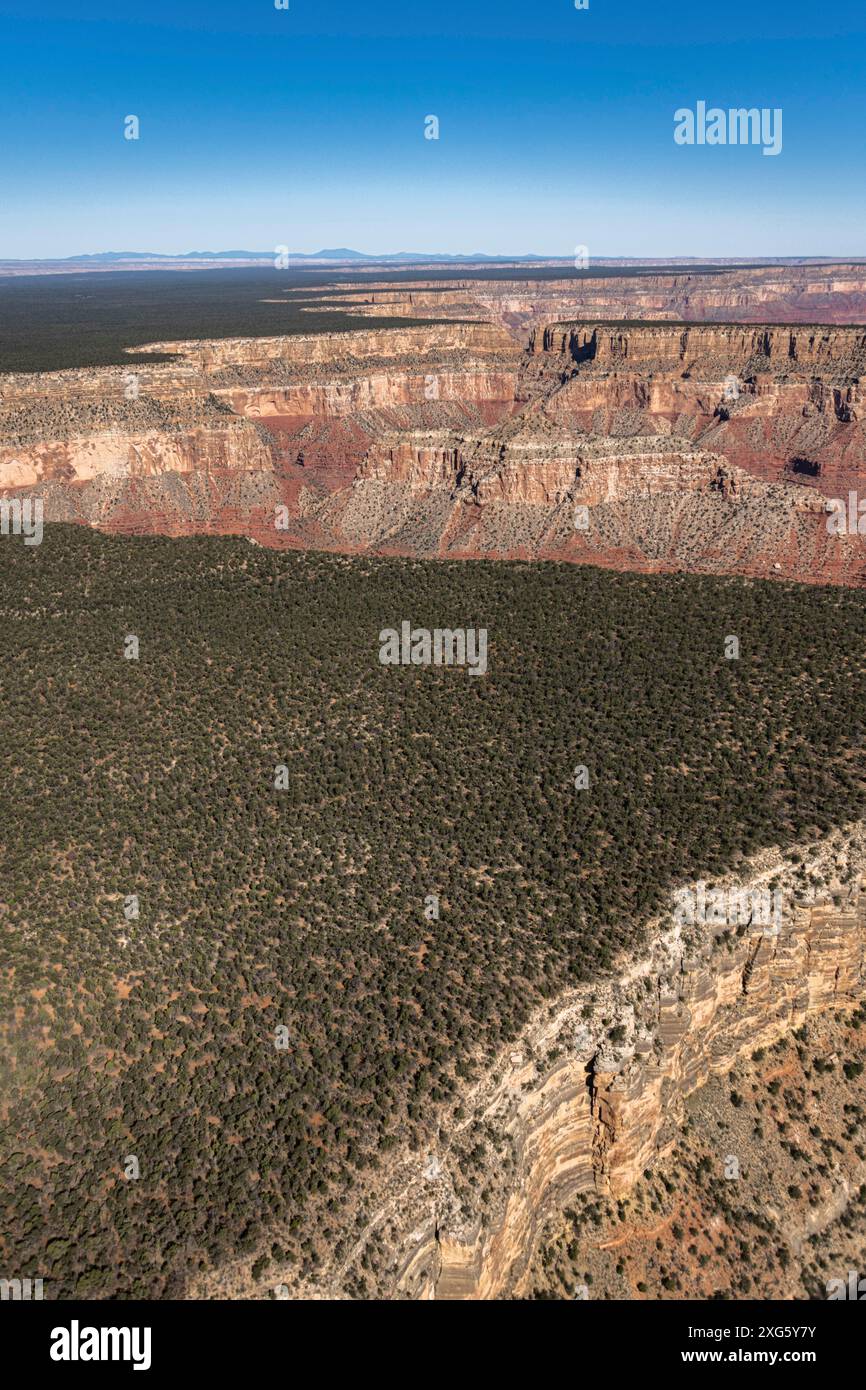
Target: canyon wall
(376, 390)
(594, 1091)
(115, 455)
(710, 448)
(596, 1121)
(446, 336)
(798, 348)
(764, 294)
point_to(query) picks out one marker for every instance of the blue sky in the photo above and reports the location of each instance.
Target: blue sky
(305, 127)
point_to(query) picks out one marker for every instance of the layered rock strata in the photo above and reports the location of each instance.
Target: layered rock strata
(763, 294)
(594, 1091)
(711, 448)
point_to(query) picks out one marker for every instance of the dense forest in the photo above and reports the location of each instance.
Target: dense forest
(97, 319)
(256, 984)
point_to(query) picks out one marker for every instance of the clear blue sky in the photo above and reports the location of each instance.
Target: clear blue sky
(305, 127)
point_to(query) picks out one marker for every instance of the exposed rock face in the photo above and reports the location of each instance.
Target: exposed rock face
(115, 455)
(548, 471)
(708, 447)
(379, 390)
(338, 347)
(593, 1092)
(737, 348)
(766, 294)
(753, 1200)
(599, 1119)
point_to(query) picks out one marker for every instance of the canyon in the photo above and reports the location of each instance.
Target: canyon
(592, 1097)
(652, 422)
(582, 1112)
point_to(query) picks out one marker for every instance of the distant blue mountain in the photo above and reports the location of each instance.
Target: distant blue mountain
(339, 253)
(345, 253)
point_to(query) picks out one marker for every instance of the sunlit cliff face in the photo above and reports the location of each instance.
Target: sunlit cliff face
(706, 447)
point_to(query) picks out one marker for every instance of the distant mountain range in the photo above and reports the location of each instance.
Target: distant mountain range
(346, 253)
(339, 253)
(345, 256)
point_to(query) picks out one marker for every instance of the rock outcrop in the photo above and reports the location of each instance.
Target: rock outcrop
(593, 1093)
(735, 348)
